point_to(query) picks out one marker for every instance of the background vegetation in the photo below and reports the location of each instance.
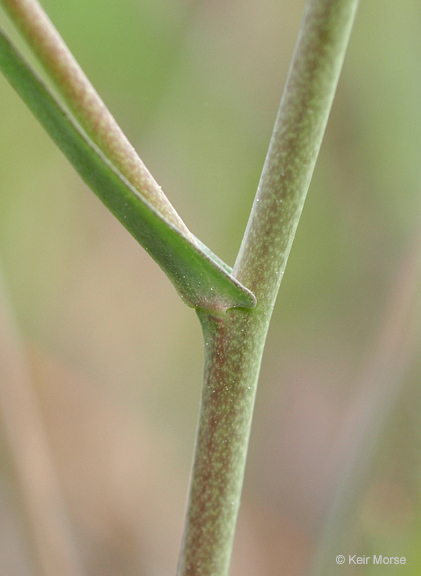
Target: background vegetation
(117, 357)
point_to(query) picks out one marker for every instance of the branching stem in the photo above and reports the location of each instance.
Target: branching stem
(234, 341)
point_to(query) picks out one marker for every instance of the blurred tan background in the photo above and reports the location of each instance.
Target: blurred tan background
(116, 357)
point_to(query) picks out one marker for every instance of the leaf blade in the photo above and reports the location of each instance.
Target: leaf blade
(199, 278)
(84, 103)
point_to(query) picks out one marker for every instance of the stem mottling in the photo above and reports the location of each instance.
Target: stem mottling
(234, 341)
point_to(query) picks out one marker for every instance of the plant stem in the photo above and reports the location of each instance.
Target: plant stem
(234, 341)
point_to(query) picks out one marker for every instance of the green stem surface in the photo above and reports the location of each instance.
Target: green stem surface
(234, 341)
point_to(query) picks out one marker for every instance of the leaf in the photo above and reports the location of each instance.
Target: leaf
(199, 277)
(72, 86)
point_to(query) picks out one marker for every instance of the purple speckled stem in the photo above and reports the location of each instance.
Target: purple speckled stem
(234, 341)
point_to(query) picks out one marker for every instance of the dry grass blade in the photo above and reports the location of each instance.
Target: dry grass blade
(40, 495)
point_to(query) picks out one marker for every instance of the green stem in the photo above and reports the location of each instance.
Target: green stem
(232, 347)
(234, 341)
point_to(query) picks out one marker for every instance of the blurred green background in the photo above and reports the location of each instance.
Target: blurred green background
(117, 357)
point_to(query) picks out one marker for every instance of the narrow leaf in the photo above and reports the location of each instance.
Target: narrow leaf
(73, 86)
(197, 275)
